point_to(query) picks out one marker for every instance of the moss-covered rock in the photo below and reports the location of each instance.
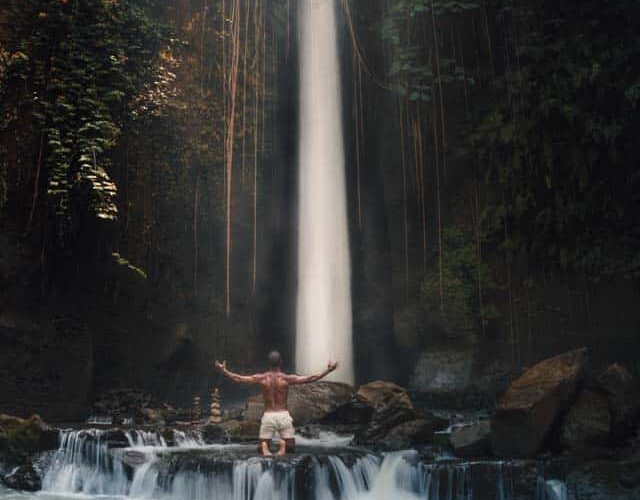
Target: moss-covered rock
(19, 438)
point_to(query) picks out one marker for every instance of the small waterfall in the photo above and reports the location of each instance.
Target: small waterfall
(84, 464)
(556, 490)
(324, 270)
(140, 464)
(188, 439)
(141, 438)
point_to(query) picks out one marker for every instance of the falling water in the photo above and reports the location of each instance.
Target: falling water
(148, 468)
(107, 464)
(324, 287)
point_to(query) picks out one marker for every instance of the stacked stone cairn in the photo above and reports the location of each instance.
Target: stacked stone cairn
(116, 417)
(196, 411)
(215, 416)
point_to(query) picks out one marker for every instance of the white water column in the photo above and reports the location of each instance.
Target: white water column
(324, 269)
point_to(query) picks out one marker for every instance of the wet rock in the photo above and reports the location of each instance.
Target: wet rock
(412, 433)
(392, 406)
(381, 395)
(22, 437)
(313, 402)
(470, 440)
(588, 421)
(309, 403)
(216, 433)
(115, 438)
(443, 370)
(125, 402)
(623, 393)
(386, 418)
(232, 430)
(533, 403)
(24, 478)
(153, 416)
(483, 480)
(356, 412)
(605, 479)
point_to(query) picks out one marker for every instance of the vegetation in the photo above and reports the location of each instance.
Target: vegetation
(72, 75)
(538, 169)
(493, 147)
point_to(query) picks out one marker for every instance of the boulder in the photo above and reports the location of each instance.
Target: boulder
(443, 370)
(412, 433)
(468, 440)
(605, 479)
(623, 393)
(588, 421)
(535, 402)
(308, 403)
(392, 407)
(381, 395)
(355, 412)
(23, 478)
(231, 430)
(22, 437)
(153, 416)
(385, 419)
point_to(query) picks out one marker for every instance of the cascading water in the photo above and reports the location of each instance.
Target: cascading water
(86, 463)
(324, 281)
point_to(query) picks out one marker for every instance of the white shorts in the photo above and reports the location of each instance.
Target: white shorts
(277, 421)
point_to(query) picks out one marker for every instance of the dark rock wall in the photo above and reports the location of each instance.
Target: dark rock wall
(95, 325)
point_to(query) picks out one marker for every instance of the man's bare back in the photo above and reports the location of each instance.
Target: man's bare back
(275, 391)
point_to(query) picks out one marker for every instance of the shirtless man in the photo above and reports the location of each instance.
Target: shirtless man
(275, 390)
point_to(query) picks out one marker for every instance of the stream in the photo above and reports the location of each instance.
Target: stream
(96, 463)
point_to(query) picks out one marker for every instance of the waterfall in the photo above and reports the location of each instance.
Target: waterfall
(324, 281)
(139, 464)
(87, 463)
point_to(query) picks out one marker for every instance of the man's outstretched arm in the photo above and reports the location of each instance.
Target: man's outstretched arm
(307, 379)
(236, 377)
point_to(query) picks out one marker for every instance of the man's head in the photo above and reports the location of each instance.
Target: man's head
(274, 359)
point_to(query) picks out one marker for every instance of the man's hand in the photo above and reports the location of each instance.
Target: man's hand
(332, 366)
(221, 367)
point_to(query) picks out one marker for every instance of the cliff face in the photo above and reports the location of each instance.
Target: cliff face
(438, 301)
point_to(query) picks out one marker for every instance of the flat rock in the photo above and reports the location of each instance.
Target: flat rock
(588, 421)
(471, 440)
(534, 403)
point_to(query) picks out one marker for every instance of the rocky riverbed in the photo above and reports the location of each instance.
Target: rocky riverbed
(559, 431)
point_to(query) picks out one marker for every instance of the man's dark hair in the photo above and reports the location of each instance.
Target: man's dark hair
(274, 359)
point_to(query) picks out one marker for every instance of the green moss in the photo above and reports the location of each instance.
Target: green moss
(19, 437)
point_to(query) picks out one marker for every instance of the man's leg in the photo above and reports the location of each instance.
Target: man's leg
(264, 447)
(282, 447)
(267, 431)
(287, 434)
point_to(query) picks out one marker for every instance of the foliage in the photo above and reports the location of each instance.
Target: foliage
(559, 146)
(74, 70)
(465, 308)
(121, 261)
(408, 29)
